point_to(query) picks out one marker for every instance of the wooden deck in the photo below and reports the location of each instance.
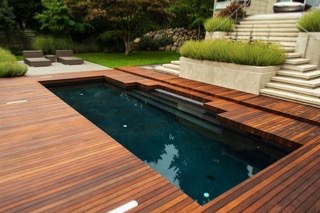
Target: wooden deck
(55, 160)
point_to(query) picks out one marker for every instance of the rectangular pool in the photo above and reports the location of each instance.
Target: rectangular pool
(195, 154)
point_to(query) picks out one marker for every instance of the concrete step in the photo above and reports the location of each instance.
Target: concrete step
(175, 62)
(283, 21)
(172, 66)
(297, 74)
(255, 26)
(289, 49)
(272, 16)
(291, 96)
(292, 88)
(294, 55)
(266, 29)
(266, 38)
(312, 83)
(167, 71)
(301, 68)
(266, 34)
(297, 61)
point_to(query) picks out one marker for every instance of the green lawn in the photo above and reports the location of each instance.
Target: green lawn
(135, 58)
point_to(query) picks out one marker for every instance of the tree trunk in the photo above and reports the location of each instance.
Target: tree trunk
(127, 47)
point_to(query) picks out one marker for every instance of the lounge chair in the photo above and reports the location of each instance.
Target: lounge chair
(66, 57)
(35, 58)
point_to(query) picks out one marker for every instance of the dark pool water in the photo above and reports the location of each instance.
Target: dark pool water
(202, 162)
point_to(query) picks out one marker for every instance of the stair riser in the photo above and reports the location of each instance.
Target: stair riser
(266, 34)
(315, 103)
(289, 81)
(298, 76)
(298, 69)
(266, 38)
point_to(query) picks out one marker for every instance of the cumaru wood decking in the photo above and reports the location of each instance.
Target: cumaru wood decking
(52, 159)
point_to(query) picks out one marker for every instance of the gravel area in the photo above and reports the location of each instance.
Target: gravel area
(61, 68)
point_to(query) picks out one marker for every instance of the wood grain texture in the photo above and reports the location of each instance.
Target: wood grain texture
(52, 159)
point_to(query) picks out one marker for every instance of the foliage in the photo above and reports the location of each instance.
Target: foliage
(134, 59)
(125, 14)
(6, 56)
(190, 13)
(232, 11)
(6, 16)
(56, 18)
(49, 44)
(25, 11)
(310, 22)
(254, 53)
(149, 43)
(219, 24)
(9, 67)
(110, 41)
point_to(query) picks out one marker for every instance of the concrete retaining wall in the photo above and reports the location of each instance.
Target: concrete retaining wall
(309, 46)
(234, 76)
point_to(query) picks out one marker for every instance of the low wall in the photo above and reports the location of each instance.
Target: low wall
(309, 46)
(234, 76)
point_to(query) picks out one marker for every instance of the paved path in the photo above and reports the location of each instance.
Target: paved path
(61, 68)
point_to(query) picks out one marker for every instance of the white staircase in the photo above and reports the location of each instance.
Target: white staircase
(172, 68)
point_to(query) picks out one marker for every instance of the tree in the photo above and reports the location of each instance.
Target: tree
(6, 19)
(25, 12)
(57, 18)
(125, 14)
(190, 13)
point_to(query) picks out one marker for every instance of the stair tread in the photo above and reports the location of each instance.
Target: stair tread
(302, 68)
(291, 96)
(278, 16)
(249, 29)
(290, 21)
(297, 74)
(271, 34)
(294, 55)
(175, 62)
(294, 88)
(171, 66)
(167, 71)
(297, 61)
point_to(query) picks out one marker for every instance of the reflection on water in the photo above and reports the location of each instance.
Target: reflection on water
(201, 162)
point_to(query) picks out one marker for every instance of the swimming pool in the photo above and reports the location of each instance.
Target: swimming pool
(177, 138)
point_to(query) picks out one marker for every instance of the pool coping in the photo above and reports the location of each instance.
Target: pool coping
(244, 196)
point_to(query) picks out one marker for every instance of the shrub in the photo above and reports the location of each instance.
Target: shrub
(9, 67)
(254, 53)
(44, 43)
(310, 22)
(218, 24)
(12, 69)
(230, 11)
(110, 41)
(6, 56)
(49, 44)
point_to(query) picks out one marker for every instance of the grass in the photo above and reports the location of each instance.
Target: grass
(237, 52)
(310, 22)
(134, 59)
(218, 24)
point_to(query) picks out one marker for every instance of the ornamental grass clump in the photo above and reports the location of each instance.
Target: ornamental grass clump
(9, 67)
(310, 22)
(219, 24)
(237, 52)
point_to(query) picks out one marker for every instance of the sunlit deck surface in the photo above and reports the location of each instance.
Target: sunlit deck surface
(52, 159)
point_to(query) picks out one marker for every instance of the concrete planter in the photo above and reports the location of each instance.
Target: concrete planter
(234, 76)
(215, 35)
(309, 45)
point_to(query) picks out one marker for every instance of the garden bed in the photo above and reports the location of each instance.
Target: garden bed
(234, 76)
